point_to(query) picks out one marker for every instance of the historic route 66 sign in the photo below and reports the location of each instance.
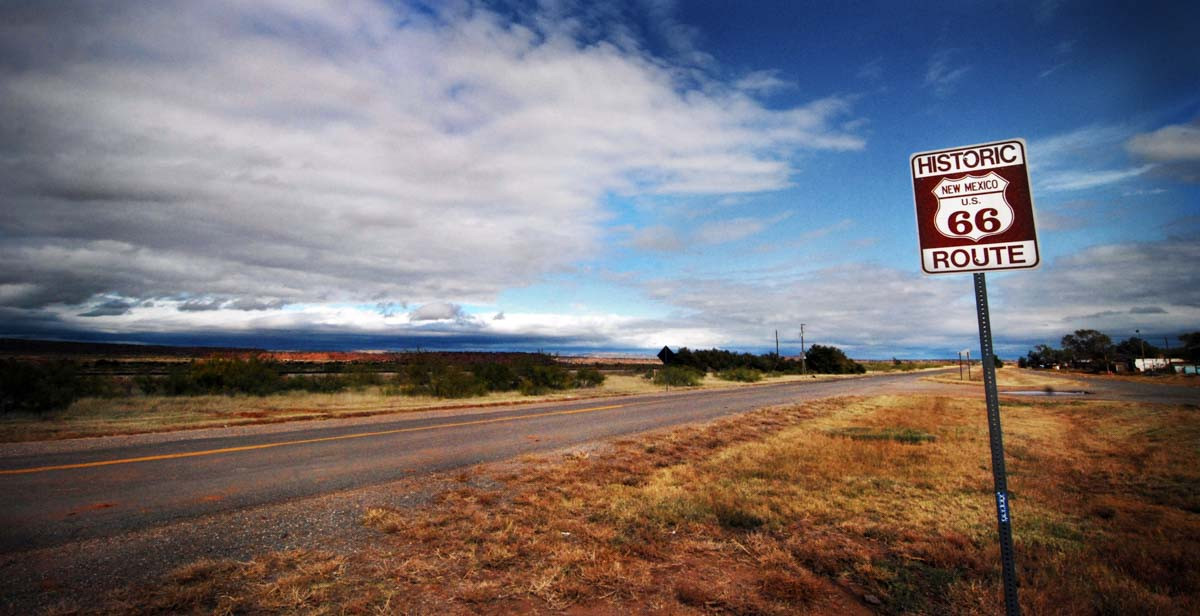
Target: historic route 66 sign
(974, 208)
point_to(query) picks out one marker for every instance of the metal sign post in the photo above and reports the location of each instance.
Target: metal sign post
(1008, 561)
(975, 214)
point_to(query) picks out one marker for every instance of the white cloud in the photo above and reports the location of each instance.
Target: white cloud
(1053, 69)
(762, 82)
(1176, 147)
(276, 152)
(1082, 143)
(723, 231)
(871, 309)
(942, 74)
(734, 229)
(1112, 287)
(868, 309)
(1083, 159)
(437, 311)
(1177, 142)
(658, 238)
(1079, 180)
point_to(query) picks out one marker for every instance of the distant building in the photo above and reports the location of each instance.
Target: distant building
(1176, 365)
(1150, 363)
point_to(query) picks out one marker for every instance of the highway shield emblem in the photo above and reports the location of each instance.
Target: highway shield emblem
(972, 206)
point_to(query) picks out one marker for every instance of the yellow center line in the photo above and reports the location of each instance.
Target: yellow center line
(213, 452)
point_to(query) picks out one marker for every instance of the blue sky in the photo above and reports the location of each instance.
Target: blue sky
(583, 177)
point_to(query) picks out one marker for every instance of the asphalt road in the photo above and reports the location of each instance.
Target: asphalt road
(60, 497)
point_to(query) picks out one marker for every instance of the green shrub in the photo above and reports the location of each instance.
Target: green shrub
(362, 376)
(831, 360)
(252, 376)
(497, 377)
(441, 380)
(236, 376)
(538, 378)
(743, 375)
(678, 376)
(588, 377)
(319, 384)
(457, 383)
(38, 387)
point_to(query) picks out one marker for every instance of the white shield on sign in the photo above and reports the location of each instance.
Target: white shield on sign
(972, 206)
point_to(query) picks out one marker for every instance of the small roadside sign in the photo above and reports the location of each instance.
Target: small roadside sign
(975, 208)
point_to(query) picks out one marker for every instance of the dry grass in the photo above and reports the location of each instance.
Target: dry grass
(778, 512)
(1011, 377)
(1183, 380)
(300, 581)
(905, 366)
(139, 414)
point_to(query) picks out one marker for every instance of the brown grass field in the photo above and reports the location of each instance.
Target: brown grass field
(853, 505)
(1012, 377)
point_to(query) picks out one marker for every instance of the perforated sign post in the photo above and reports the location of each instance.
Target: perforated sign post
(975, 214)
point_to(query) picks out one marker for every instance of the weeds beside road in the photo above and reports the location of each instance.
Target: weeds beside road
(98, 416)
(1009, 377)
(839, 506)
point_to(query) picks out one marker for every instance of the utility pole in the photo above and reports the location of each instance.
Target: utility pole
(776, 363)
(803, 353)
(1138, 332)
(968, 365)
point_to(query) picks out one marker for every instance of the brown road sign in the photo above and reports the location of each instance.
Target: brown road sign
(975, 208)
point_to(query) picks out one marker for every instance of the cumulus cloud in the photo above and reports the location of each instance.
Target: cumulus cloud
(853, 306)
(437, 311)
(1169, 144)
(1176, 146)
(276, 153)
(1117, 287)
(872, 308)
